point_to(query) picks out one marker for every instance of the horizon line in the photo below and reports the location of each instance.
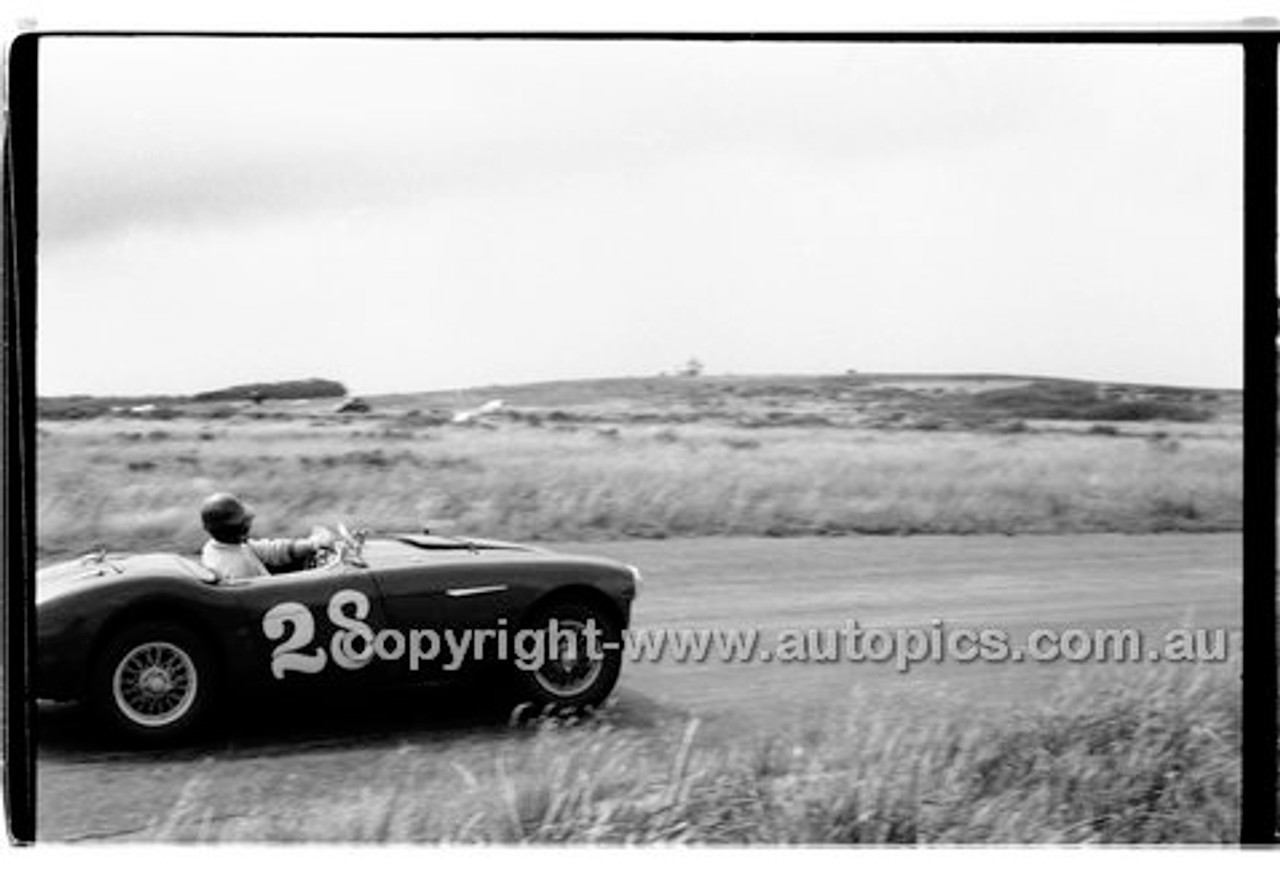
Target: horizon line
(676, 374)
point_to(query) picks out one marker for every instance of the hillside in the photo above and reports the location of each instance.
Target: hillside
(914, 402)
(875, 401)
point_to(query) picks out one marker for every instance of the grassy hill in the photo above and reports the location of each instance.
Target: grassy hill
(877, 401)
(913, 402)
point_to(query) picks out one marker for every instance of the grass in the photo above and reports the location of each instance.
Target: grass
(1148, 756)
(134, 484)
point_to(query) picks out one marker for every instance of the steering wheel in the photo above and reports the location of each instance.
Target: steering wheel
(342, 547)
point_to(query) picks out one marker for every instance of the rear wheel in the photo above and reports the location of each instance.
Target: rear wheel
(580, 659)
(154, 682)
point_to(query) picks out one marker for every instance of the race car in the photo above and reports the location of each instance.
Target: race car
(156, 643)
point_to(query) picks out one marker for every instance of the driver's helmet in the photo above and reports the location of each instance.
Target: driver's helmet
(226, 518)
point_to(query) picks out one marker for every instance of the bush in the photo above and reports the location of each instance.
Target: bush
(1049, 399)
(429, 418)
(927, 423)
(1149, 410)
(219, 413)
(71, 408)
(1076, 401)
(309, 388)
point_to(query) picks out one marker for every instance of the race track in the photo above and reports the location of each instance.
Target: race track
(1148, 583)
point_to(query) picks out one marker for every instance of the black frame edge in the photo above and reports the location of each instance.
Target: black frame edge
(1258, 724)
(1192, 34)
(18, 551)
(1259, 683)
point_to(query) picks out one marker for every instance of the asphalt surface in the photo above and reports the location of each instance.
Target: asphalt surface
(779, 587)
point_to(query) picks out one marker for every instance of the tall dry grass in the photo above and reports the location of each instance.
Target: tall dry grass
(130, 484)
(1151, 757)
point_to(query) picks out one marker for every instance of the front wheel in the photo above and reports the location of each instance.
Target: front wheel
(154, 682)
(579, 659)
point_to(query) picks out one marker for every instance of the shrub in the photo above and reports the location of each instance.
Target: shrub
(927, 423)
(1069, 400)
(1148, 410)
(71, 408)
(219, 413)
(309, 388)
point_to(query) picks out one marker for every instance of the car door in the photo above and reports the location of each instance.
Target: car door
(439, 607)
(312, 629)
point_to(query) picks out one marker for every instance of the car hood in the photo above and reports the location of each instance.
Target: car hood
(393, 551)
(432, 542)
(69, 577)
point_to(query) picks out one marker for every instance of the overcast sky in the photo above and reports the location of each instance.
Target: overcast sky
(405, 215)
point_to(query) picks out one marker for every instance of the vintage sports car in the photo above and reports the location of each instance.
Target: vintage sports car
(154, 642)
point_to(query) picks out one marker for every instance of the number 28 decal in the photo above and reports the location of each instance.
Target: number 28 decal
(293, 622)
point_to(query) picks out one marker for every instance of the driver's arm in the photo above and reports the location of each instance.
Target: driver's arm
(284, 552)
(302, 549)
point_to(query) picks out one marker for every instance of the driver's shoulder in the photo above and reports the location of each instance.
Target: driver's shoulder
(214, 550)
(230, 560)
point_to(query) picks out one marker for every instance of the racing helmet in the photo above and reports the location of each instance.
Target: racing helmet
(226, 518)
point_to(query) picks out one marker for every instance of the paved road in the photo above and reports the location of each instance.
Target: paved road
(1148, 583)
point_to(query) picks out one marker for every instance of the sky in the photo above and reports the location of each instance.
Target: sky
(416, 215)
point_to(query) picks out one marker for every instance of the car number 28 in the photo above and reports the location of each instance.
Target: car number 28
(294, 623)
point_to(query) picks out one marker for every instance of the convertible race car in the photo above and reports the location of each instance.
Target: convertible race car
(154, 642)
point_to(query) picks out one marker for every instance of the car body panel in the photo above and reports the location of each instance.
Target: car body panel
(474, 588)
(305, 630)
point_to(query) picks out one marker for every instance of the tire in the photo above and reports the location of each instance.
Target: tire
(582, 679)
(154, 682)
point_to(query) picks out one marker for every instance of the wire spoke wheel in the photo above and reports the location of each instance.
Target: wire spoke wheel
(571, 668)
(580, 657)
(155, 684)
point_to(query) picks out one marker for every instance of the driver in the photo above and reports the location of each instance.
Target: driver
(233, 555)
